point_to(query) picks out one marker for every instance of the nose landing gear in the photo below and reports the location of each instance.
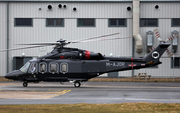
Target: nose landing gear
(25, 84)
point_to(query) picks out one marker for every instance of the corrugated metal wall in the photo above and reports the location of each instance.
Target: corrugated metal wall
(163, 70)
(165, 13)
(101, 11)
(84, 10)
(40, 33)
(165, 30)
(166, 10)
(3, 35)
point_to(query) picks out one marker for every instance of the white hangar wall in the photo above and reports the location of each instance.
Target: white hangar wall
(163, 70)
(101, 12)
(40, 33)
(84, 10)
(3, 36)
(166, 11)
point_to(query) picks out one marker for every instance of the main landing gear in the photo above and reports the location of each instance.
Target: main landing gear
(25, 84)
(77, 84)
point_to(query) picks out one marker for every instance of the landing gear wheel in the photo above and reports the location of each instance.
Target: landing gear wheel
(77, 84)
(25, 84)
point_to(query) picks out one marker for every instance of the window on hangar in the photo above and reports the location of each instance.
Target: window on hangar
(175, 22)
(112, 22)
(175, 62)
(86, 22)
(148, 22)
(26, 22)
(54, 22)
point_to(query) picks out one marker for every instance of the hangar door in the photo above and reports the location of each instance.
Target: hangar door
(18, 62)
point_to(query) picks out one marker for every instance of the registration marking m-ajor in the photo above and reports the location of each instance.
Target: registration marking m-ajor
(115, 64)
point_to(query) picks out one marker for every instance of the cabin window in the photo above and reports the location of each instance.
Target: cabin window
(64, 67)
(33, 68)
(53, 67)
(42, 67)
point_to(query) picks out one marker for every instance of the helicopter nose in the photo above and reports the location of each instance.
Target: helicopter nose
(12, 75)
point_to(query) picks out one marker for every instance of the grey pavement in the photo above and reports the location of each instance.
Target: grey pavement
(90, 92)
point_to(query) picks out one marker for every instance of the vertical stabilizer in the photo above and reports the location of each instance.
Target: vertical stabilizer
(154, 55)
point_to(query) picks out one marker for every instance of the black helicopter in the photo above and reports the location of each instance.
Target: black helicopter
(75, 65)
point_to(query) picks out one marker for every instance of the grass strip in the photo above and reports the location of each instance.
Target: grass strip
(93, 108)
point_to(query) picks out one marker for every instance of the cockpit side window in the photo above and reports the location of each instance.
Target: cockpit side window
(33, 68)
(25, 67)
(42, 67)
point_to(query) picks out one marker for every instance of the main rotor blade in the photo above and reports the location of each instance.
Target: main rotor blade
(44, 44)
(77, 41)
(106, 39)
(20, 48)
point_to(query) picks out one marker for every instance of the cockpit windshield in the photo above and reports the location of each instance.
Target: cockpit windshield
(25, 67)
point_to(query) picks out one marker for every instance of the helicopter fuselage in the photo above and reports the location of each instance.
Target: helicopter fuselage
(69, 64)
(63, 70)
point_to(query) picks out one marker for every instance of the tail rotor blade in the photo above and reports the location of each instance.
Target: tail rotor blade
(156, 32)
(170, 54)
(152, 48)
(171, 37)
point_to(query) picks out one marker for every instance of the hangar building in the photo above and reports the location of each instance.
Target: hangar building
(33, 21)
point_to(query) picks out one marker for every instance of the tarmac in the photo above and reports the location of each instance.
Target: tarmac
(90, 92)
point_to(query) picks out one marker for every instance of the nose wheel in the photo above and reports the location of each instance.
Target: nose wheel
(77, 84)
(25, 84)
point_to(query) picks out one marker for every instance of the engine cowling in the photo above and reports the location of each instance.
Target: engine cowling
(87, 55)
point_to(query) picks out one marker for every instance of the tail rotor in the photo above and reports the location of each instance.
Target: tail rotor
(156, 32)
